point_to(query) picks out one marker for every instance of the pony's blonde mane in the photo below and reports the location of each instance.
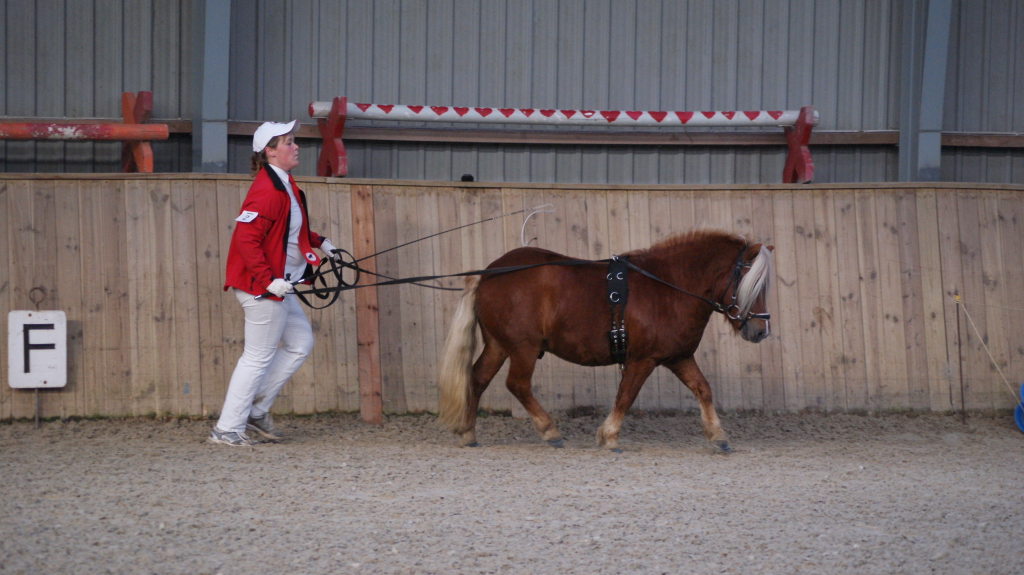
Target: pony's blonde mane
(756, 282)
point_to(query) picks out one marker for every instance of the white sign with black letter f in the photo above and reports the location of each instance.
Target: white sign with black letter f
(37, 349)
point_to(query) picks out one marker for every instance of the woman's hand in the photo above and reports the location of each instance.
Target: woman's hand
(328, 249)
(280, 287)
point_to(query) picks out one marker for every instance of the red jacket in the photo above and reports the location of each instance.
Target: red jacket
(259, 244)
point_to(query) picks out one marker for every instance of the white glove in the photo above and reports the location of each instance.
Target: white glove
(279, 287)
(328, 248)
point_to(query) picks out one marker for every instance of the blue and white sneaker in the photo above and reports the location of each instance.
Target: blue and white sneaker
(230, 438)
(264, 426)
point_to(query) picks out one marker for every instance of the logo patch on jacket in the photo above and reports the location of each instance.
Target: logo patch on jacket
(246, 216)
(311, 256)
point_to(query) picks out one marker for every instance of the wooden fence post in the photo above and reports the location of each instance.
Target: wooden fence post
(367, 327)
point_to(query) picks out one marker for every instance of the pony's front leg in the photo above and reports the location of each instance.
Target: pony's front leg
(687, 371)
(634, 375)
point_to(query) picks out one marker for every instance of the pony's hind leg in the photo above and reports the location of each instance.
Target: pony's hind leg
(687, 371)
(519, 374)
(633, 377)
(484, 370)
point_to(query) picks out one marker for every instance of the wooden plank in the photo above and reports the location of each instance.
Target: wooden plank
(114, 261)
(429, 250)
(976, 365)
(871, 296)
(771, 369)
(166, 362)
(187, 387)
(427, 256)
(707, 354)
(683, 212)
(728, 384)
(480, 247)
(230, 195)
(6, 285)
(997, 302)
(606, 379)
(25, 273)
(577, 246)
(44, 259)
(640, 238)
(813, 375)
(560, 375)
(849, 308)
(790, 304)
(343, 312)
(318, 375)
(933, 301)
(748, 356)
(448, 259)
(1012, 241)
(392, 347)
(410, 320)
(69, 291)
(891, 319)
(661, 226)
(546, 373)
(514, 199)
(210, 264)
(145, 205)
(827, 313)
(914, 323)
(367, 309)
(93, 298)
(952, 285)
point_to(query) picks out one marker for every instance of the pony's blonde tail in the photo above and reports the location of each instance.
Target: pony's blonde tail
(456, 367)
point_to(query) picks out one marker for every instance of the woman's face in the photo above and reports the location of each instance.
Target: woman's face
(285, 155)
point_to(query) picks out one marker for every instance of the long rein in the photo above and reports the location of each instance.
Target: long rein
(336, 269)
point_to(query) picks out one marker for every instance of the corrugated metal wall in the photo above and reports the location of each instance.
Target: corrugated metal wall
(842, 57)
(984, 81)
(73, 58)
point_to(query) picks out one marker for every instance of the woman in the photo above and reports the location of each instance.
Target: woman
(271, 249)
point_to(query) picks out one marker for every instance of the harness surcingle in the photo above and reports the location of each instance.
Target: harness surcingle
(618, 290)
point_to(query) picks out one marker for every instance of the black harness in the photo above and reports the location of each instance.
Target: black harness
(618, 291)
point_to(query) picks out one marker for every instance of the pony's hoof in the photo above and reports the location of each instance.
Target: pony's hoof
(721, 447)
(474, 444)
(616, 450)
(556, 443)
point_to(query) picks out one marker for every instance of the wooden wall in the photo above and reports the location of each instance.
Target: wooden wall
(863, 308)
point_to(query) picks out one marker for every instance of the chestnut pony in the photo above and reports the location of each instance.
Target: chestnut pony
(564, 310)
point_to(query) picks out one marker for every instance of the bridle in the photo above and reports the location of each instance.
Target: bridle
(734, 284)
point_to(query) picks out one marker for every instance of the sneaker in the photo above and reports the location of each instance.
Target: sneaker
(230, 438)
(264, 426)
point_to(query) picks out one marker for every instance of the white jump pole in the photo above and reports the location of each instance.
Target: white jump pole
(331, 118)
(623, 118)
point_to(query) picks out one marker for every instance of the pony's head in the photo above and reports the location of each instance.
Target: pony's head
(749, 285)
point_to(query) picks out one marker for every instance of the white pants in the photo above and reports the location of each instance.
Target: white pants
(264, 367)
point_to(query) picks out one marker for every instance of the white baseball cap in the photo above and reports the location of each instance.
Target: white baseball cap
(268, 131)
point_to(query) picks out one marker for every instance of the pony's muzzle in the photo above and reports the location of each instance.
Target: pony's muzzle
(755, 330)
